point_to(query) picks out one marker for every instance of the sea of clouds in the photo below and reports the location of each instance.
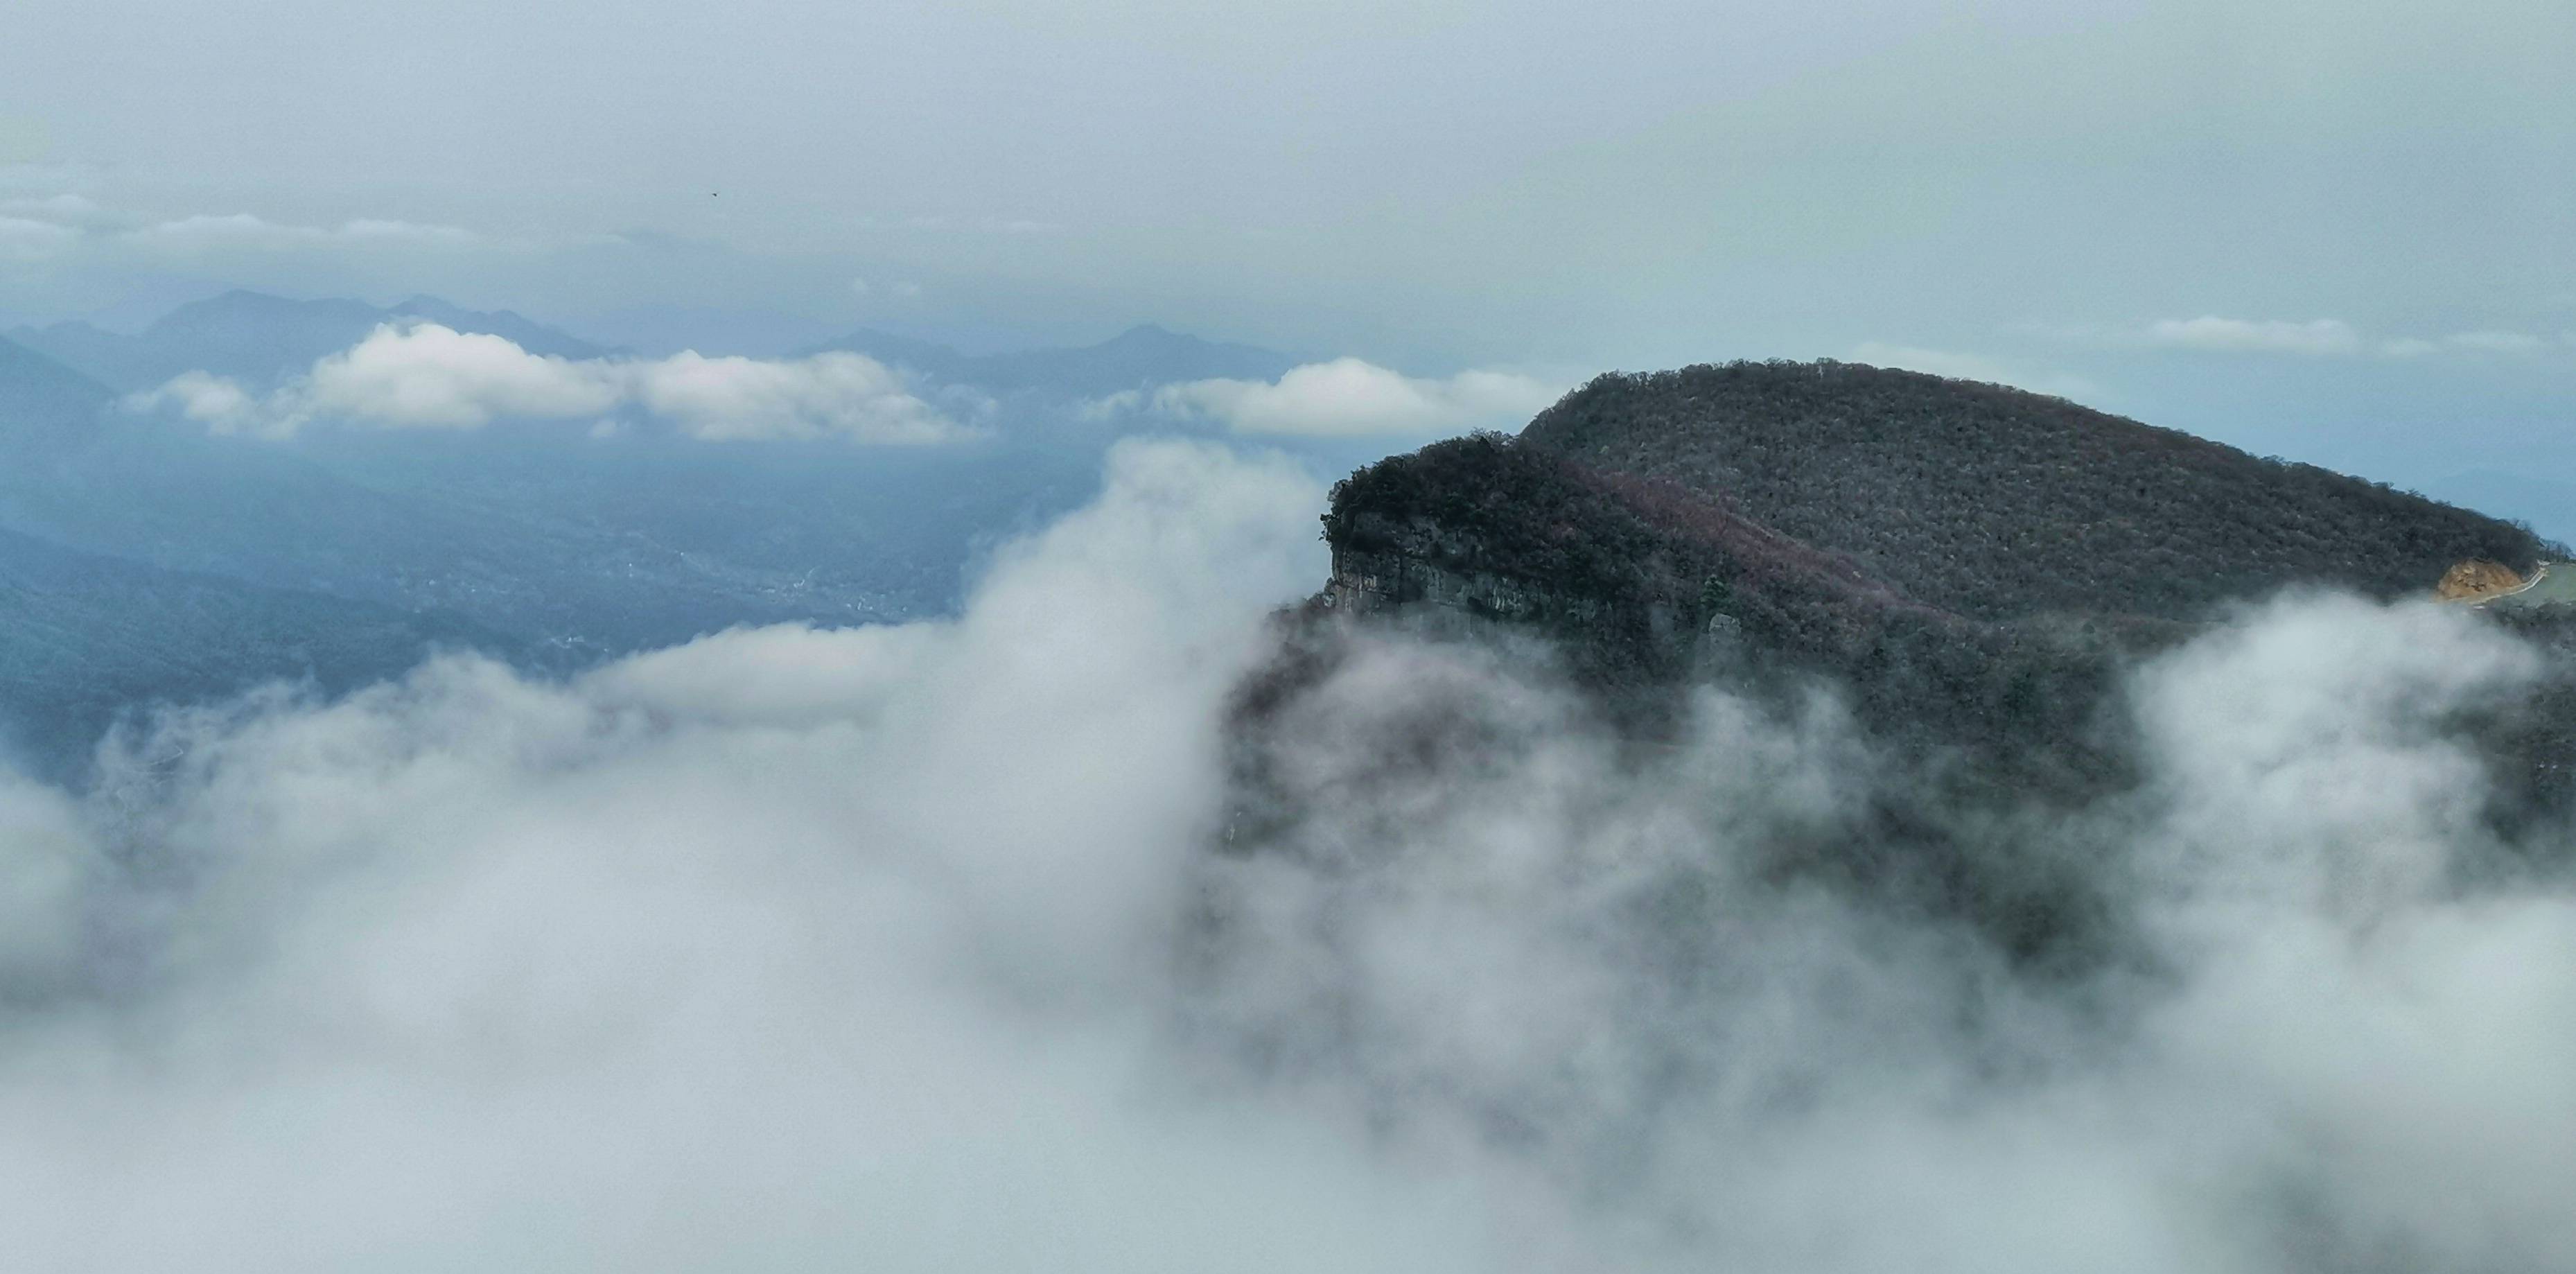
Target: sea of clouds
(940, 946)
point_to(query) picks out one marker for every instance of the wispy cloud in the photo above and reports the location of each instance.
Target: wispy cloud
(242, 228)
(2325, 338)
(2312, 338)
(1348, 398)
(427, 376)
(65, 224)
(2497, 342)
(903, 289)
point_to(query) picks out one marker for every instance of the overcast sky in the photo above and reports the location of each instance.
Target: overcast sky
(2348, 215)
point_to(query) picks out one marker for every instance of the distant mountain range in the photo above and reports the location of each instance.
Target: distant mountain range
(261, 339)
(143, 560)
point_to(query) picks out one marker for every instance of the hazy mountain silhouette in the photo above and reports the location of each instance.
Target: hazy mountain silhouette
(43, 404)
(262, 339)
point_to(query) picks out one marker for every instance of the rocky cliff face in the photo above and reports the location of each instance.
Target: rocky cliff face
(1406, 584)
(1408, 566)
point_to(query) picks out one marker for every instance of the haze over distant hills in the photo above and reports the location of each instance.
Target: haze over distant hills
(262, 339)
(345, 554)
(1140, 357)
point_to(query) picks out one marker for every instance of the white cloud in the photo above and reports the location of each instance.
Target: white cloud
(902, 289)
(404, 231)
(217, 402)
(1350, 398)
(1974, 367)
(427, 376)
(2492, 342)
(221, 227)
(834, 394)
(2326, 338)
(2315, 338)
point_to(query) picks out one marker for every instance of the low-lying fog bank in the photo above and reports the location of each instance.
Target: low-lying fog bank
(923, 947)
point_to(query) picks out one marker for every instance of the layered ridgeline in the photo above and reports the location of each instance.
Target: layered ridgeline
(261, 339)
(1969, 569)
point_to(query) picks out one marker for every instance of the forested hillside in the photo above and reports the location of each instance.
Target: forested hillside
(1642, 582)
(1998, 503)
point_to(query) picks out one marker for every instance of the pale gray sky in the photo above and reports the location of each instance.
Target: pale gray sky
(2057, 191)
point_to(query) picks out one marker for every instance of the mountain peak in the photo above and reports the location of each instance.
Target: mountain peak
(241, 305)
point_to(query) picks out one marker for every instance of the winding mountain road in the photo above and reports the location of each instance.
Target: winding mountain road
(2546, 587)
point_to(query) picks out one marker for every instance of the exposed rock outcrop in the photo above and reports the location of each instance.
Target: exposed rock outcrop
(2477, 580)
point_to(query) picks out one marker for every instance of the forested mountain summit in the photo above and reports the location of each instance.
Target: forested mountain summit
(1973, 563)
(1997, 503)
(1967, 571)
